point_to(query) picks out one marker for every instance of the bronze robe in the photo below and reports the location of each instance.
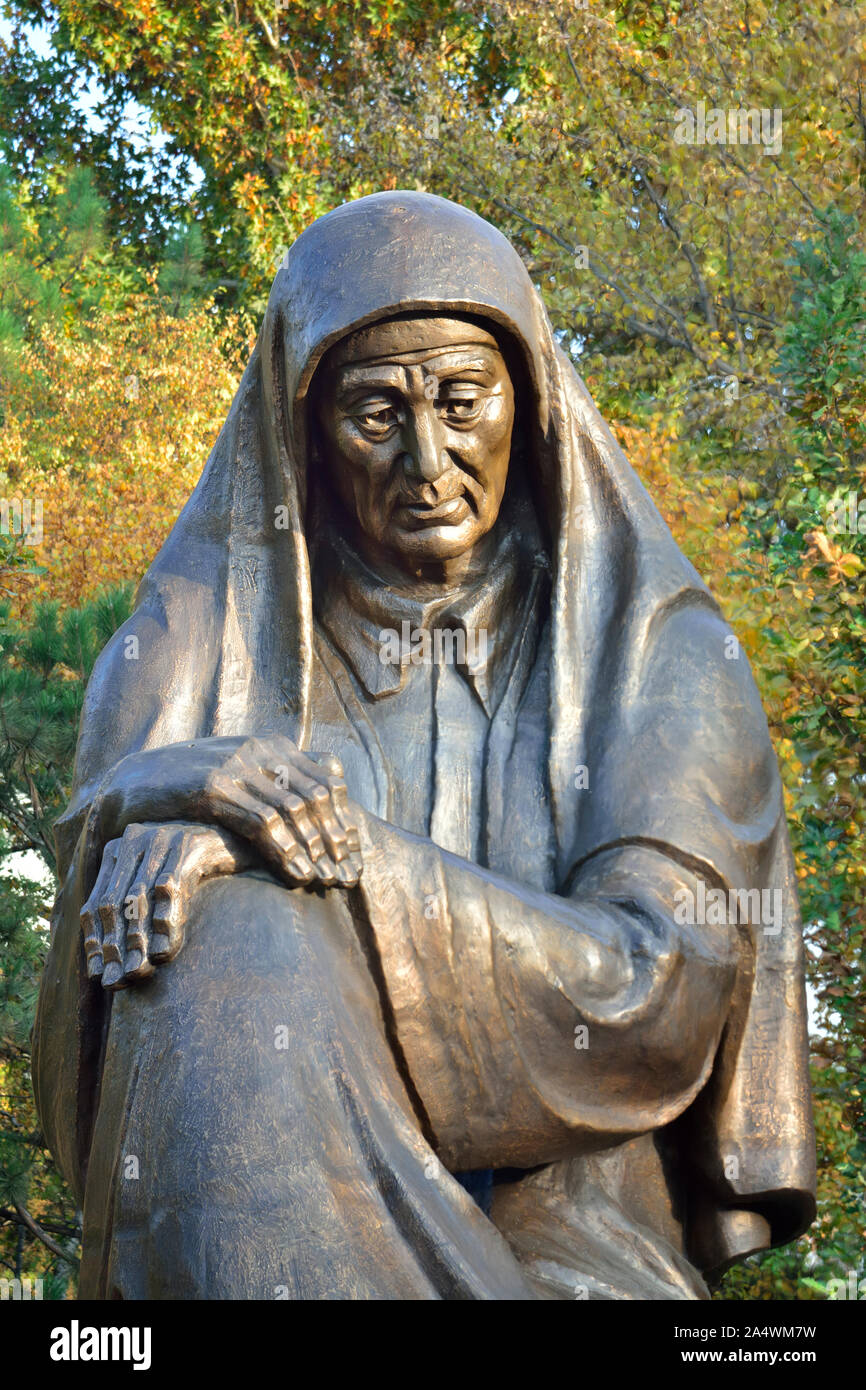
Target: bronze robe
(299, 1088)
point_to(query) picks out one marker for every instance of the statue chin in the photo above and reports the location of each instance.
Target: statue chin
(432, 543)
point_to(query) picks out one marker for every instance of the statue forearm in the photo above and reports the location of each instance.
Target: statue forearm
(291, 806)
(534, 1026)
(158, 784)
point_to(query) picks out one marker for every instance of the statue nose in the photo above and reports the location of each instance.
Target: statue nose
(425, 458)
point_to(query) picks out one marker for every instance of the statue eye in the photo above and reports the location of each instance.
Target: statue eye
(462, 408)
(377, 423)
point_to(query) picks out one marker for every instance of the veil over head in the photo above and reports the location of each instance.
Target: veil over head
(643, 691)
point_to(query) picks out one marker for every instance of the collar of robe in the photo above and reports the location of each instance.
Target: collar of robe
(384, 634)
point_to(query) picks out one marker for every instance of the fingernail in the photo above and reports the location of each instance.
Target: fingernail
(300, 867)
(158, 945)
(94, 967)
(111, 974)
(133, 961)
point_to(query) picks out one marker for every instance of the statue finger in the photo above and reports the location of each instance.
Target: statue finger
(302, 775)
(335, 780)
(194, 853)
(333, 802)
(137, 910)
(335, 785)
(91, 922)
(112, 910)
(312, 765)
(340, 800)
(254, 816)
(140, 903)
(329, 761)
(342, 848)
(290, 807)
(306, 776)
(168, 911)
(329, 873)
(321, 811)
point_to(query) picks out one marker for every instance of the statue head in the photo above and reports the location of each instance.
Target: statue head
(413, 420)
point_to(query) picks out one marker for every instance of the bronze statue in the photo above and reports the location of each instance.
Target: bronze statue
(428, 925)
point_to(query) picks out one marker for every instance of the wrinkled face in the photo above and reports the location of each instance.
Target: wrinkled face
(415, 420)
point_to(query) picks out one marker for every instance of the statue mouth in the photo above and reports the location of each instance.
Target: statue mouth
(451, 512)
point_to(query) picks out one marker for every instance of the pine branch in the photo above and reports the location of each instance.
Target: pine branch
(25, 1219)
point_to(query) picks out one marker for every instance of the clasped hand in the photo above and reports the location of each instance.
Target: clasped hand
(241, 800)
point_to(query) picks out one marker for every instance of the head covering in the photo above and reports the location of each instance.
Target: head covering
(644, 689)
(385, 339)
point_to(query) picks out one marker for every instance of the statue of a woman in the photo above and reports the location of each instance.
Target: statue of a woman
(428, 925)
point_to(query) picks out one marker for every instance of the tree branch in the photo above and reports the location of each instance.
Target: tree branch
(25, 1219)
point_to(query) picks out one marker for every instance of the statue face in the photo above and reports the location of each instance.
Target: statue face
(415, 420)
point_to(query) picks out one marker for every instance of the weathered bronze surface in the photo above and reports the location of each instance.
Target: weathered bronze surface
(496, 989)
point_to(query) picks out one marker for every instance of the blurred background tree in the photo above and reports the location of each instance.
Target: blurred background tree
(44, 665)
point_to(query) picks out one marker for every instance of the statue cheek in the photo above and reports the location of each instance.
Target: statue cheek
(490, 448)
(497, 422)
(370, 496)
(350, 443)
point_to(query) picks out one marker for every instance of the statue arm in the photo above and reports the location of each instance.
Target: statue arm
(290, 806)
(535, 1026)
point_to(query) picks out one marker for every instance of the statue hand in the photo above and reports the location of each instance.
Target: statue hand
(135, 915)
(292, 806)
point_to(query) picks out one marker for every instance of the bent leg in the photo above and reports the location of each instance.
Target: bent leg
(254, 1137)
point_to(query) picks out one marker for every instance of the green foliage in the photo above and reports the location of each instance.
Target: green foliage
(806, 562)
(44, 665)
(181, 278)
(55, 113)
(238, 90)
(15, 560)
(29, 1182)
(56, 263)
